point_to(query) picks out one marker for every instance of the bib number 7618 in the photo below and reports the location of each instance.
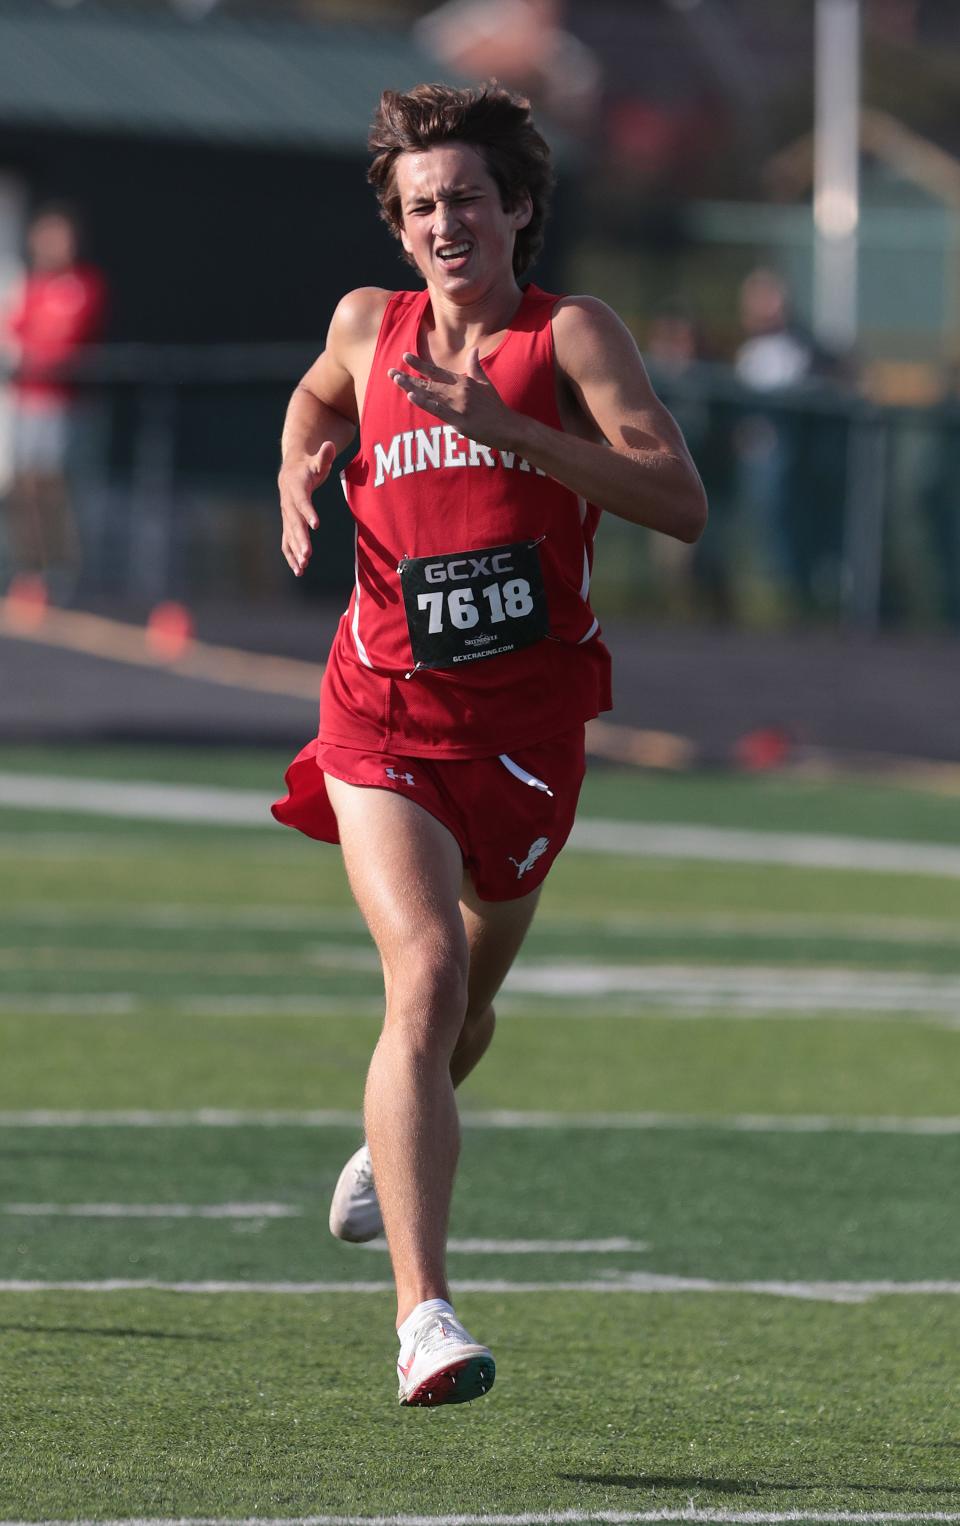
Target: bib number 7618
(511, 601)
(467, 605)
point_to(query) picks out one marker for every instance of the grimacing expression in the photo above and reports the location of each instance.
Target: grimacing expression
(454, 223)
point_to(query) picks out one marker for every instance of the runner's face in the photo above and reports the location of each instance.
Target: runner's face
(454, 223)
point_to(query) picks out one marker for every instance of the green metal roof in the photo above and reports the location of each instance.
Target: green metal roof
(221, 80)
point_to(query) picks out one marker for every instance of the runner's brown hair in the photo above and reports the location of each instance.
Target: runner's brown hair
(488, 118)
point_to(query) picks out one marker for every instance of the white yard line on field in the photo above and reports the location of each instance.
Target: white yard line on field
(320, 920)
(799, 850)
(554, 988)
(74, 1004)
(351, 957)
(250, 808)
(144, 802)
(499, 1118)
(178, 915)
(68, 844)
(608, 1247)
(532, 1247)
(778, 988)
(237, 1004)
(689, 1513)
(152, 1210)
(616, 1282)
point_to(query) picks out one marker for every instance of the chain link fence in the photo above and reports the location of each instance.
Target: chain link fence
(825, 508)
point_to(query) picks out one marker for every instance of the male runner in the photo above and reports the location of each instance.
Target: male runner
(496, 421)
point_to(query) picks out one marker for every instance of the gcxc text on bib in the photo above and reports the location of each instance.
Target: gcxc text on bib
(471, 604)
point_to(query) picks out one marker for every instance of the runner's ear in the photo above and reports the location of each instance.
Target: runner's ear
(523, 211)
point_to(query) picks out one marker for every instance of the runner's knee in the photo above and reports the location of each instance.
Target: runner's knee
(427, 987)
(479, 1014)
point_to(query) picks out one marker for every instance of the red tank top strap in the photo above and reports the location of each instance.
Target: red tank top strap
(523, 364)
(399, 328)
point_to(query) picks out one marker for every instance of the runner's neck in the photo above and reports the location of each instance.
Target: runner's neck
(449, 332)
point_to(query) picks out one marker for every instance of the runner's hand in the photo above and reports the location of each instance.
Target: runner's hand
(298, 480)
(469, 400)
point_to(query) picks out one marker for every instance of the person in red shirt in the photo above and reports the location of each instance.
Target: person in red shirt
(57, 309)
(496, 422)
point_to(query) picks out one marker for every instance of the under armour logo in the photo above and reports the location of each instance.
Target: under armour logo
(536, 850)
(405, 778)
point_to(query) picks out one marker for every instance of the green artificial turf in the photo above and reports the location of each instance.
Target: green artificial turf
(151, 965)
(165, 1057)
(150, 1404)
(705, 1203)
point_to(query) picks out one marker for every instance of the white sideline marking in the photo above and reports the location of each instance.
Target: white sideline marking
(532, 1247)
(802, 850)
(689, 1513)
(153, 1210)
(184, 914)
(516, 1008)
(250, 808)
(497, 1118)
(68, 844)
(71, 1004)
(617, 1282)
(549, 924)
(201, 1117)
(240, 1005)
(348, 957)
(143, 802)
(676, 990)
(784, 988)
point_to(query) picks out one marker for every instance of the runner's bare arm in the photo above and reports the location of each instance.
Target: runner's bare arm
(638, 467)
(322, 418)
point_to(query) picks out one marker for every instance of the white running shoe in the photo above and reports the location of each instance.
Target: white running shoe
(354, 1212)
(442, 1364)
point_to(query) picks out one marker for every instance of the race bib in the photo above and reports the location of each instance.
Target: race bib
(473, 604)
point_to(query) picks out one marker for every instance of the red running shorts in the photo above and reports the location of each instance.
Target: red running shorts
(510, 814)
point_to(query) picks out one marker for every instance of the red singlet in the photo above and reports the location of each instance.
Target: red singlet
(54, 315)
(417, 488)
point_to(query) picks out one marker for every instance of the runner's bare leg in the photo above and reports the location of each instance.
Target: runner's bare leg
(406, 874)
(405, 871)
(495, 931)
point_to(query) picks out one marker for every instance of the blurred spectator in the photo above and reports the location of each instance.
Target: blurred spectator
(775, 353)
(790, 458)
(56, 309)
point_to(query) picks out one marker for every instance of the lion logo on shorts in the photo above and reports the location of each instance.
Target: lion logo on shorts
(536, 850)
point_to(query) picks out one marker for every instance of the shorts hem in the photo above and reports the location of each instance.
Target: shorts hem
(389, 790)
(520, 892)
